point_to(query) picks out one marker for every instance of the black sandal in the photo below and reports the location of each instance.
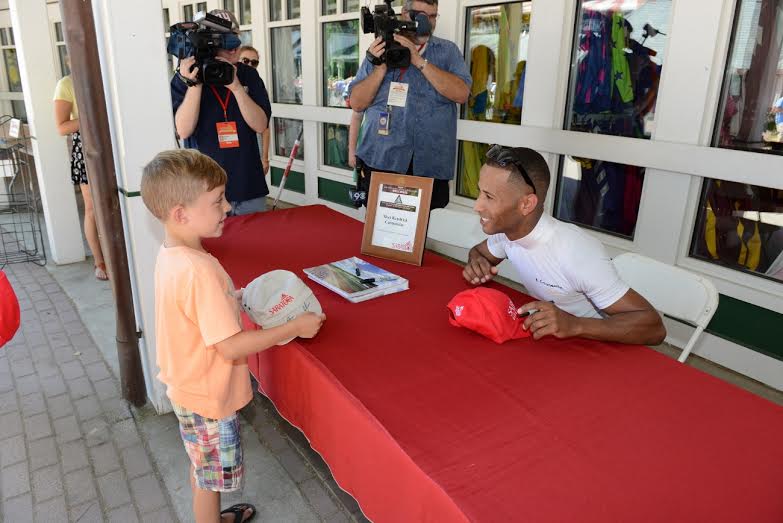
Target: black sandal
(239, 512)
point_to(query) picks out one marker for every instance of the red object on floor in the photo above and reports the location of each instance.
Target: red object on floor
(9, 310)
(421, 421)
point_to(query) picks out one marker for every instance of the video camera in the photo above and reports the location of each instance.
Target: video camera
(384, 23)
(202, 38)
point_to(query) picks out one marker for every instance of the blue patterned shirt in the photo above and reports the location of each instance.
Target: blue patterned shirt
(425, 129)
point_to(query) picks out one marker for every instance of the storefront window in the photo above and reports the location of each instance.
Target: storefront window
(497, 42)
(617, 64)
(751, 110)
(336, 145)
(599, 195)
(471, 158)
(286, 132)
(616, 71)
(329, 7)
(341, 60)
(243, 11)
(740, 226)
(350, 6)
(287, 60)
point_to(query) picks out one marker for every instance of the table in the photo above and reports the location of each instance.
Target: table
(421, 421)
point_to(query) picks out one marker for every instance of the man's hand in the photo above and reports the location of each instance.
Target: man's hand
(548, 320)
(416, 59)
(185, 71)
(308, 324)
(265, 163)
(377, 47)
(478, 270)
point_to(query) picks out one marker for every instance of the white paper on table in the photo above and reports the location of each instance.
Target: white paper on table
(396, 217)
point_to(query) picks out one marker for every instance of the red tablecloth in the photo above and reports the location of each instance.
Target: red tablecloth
(422, 421)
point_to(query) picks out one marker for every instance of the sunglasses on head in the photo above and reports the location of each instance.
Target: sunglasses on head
(504, 156)
(248, 61)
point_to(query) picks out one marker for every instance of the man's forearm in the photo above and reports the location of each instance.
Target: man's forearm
(186, 118)
(255, 117)
(363, 93)
(447, 84)
(637, 327)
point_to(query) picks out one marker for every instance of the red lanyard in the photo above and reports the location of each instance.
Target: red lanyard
(223, 103)
(405, 69)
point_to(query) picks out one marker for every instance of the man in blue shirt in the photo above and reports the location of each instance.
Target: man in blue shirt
(411, 113)
(222, 122)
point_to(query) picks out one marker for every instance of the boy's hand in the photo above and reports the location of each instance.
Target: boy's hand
(238, 294)
(308, 324)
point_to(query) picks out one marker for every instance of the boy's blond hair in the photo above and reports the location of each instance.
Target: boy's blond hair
(178, 177)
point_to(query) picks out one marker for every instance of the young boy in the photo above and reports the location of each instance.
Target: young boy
(201, 347)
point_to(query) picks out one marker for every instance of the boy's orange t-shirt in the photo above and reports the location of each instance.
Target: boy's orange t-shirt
(195, 308)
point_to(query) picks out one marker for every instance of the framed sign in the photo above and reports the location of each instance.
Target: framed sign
(398, 212)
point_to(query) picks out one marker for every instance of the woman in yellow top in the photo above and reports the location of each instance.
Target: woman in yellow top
(66, 114)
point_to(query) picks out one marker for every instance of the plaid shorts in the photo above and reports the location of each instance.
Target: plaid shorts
(214, 448)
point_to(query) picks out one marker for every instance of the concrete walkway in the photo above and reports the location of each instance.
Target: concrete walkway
(72, 450)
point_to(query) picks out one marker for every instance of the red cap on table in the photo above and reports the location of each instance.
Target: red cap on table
(489, 312)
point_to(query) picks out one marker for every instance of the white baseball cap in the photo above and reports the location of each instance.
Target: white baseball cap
(278, 297)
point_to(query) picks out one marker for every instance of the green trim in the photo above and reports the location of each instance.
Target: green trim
(129, 194)
(748, 325)
(295, 183)
(333, 191)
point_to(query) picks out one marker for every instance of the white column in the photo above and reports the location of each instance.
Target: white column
(136, 85)
(37, 68)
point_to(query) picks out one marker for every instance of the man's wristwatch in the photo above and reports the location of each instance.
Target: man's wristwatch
(423, 65)
(374, 60)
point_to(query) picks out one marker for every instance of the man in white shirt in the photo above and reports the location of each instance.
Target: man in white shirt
(578, 290)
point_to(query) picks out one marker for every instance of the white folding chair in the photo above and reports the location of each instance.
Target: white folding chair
(676, 292)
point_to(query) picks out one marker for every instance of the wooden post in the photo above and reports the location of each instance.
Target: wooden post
(79, 26)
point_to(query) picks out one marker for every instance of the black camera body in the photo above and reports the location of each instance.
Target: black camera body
(385, 24)
(202, 39)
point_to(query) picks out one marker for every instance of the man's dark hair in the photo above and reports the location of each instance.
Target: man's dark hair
(533, 163)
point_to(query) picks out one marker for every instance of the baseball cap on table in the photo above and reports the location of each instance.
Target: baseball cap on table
(489, 312)
(278, 297)
(227, 15)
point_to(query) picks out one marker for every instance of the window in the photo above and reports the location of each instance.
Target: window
(471, 158)
(496, 54)
(336, 145)
(617, 67)
(350, 6)
(275, 10)
(287, 60)
(243, 14)
(599, 195)
(616, 70)
(12, 73)
(497, 42)
(286, 131)
(187, 13)
(740, 226)
(201, 7)
(62, 50)
(341, 60)
(329, 7)
(751, 110)
(166, 21)
(294, 10)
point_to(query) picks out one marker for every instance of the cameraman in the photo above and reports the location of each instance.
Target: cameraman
(242, 109)
(417, 135)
